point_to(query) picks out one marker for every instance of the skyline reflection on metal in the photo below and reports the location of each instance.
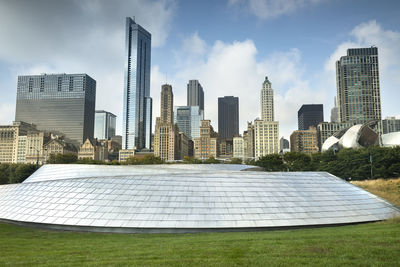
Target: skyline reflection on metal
(184, 198)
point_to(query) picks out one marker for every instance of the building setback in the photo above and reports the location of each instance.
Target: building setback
(166, 134)
(358, 91)
(310, 115)
(228, 117)
(137, 110)
(58, 103)
(195, 94)
(104, 126)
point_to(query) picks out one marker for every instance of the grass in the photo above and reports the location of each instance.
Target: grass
(388, 189)
(372, 244)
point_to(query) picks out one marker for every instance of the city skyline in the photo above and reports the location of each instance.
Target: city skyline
(225, 61)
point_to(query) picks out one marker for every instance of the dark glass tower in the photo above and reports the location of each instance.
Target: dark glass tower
(228, 117)
(104, 125)
(137, 113)
(358, 91)
(310, 115)
(59, 103)
(195, 94)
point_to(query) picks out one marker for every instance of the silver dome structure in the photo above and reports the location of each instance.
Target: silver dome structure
(184, 198)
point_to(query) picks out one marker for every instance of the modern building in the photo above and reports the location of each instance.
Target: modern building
(206, 145)
(304, 141)
(228, 117)
(358, 90)
(166, 134)
(266, 130)
(188, 119)
(283, 145)
(327, 129)
(335, 112)
(267, 101)
(104, 125)
(195, 94)
(58, 103)
(125, 154)
(137, 108)
(184, 146)
(310, 115)
(390, 125)
(13, 142)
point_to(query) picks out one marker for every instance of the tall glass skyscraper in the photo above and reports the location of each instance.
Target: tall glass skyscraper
(58, 103)
(104, 125)
(228, 117)
(195, 94)
(358, 91)
(137, 113)
(310, 115)
(188, 119)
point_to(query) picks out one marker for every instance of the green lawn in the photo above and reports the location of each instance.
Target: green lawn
(373, 244)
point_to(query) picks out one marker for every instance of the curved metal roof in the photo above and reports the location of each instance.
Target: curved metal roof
(184, 198)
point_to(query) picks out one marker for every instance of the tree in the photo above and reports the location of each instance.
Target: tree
(211, 160)
(297, 161)
(235, 161)
(271, 163)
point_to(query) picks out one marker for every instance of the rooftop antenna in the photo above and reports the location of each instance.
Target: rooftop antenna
(134, 19)
(166, 78)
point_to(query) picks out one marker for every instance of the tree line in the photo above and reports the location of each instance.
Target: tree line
(349, 164)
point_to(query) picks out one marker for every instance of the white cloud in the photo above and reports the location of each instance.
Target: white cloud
(269, 9)
(232, 69)
(7, 111)
(77, 37)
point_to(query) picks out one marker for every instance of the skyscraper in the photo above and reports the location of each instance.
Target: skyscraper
(188, 119)
(310, 115)
(266, 130)
(137, 113)
(358, 91)
(267, 101)
(58, 103)
(104, 125)
(195, 94)
(228, 117)
(166, 134)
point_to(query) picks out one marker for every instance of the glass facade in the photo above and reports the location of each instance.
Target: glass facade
(137, 113)
(188, 119)
(228, 117)
(358, 91)
(195, 94)
(60, 103)
(310, 115)
(104, 126)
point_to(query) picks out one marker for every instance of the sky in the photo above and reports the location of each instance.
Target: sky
(228, 45)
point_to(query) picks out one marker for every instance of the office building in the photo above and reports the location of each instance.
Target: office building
(104, 125)
(335, 112)
(58, 103)
(266, 130)
(166, 134)
(137, 107)
(390, 125)
(310, 115)
(283, 145)
(266, 136)
(188, 119)
(358, 90)
(195, 94)
(206, 145)
(13, 142)
(304, 141)
(228, 117)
